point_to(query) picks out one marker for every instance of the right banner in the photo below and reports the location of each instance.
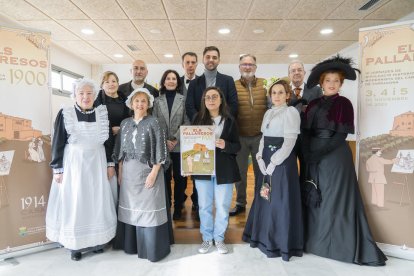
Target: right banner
(386, 131)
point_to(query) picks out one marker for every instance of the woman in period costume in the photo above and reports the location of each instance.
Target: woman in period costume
(275, 222)
(81, 213)
(169, 108)
(141, 152)
(217, 190)
(335, 227)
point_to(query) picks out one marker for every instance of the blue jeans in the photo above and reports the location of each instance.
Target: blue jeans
(209, 192)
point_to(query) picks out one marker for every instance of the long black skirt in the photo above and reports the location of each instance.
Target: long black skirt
(338, 229)
(276, 227)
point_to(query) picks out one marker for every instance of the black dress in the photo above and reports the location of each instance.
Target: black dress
(276, 227)
(338, 229)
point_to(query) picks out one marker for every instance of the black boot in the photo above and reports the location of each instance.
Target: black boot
(76, 256)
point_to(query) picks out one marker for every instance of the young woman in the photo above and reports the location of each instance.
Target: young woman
(275, 223)
(217, 189)
(141, 152)
(81, 213)
(338, 228)
(169, 108)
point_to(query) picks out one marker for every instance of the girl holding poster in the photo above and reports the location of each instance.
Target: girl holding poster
(217, 189)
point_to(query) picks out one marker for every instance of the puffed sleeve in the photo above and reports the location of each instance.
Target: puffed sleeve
(292, 123)
(60, 138)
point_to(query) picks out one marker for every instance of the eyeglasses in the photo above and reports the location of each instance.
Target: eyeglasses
(247, 65)
(211, 98)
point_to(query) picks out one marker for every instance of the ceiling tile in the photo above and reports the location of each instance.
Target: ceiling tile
(78, 47)
(98, 9)
(120, 29)
(228, 59)
(164, 47)
(62, 9)
(191, 46)
(350, 10)
(393, 10)
(235, 9)
(275, 9)
(58, 32)
(189, 29)
(293, 29)
(314, 9)
(269, 59)
(338, 26)
(269, 27)
(185, 9)
(332, 47)
(312, 59)
(352, 32)
(148, 58)
(20, 10)
(109, 48)
(97, 58)
(174, 60)
(147, 28)
(77, 25)
(213, 26)
(141, 45)
(143, 9)
(302, 47)
(225, 47)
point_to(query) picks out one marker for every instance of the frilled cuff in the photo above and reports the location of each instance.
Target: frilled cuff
(58, 171)
(110, 164)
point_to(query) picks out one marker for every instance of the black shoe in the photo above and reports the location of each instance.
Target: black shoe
(177, 213)
(237, 210)
(99, 251)
(76, 256)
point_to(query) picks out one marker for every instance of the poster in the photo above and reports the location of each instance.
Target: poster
(386, 131)
(198, 149)
(25, 175)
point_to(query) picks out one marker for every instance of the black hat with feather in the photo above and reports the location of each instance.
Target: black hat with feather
(336, 63)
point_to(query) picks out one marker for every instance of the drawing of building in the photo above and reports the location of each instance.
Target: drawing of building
(15, 128)
(403, 125)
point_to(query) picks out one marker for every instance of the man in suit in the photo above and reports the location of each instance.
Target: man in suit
(211, 59)
(189, 63)
(300, 91)
(252, 107)
(139, 72)
(300, 97)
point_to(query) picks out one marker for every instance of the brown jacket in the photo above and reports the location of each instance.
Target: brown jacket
(250, 116)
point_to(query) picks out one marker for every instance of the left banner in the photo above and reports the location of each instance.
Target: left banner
(25, 124)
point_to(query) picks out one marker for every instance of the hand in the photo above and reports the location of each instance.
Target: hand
(220, 143)
(110, 172)
(262, 166)
(150, 181)
(115, 130)
(270, 168)
(171, 145)
(58, 177)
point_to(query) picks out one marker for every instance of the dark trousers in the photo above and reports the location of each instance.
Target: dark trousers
(180, 182)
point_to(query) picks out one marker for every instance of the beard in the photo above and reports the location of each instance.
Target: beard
(247, 75)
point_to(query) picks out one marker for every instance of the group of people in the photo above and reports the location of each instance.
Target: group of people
(130, 133)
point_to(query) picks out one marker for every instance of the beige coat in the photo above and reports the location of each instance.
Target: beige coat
(375, 167)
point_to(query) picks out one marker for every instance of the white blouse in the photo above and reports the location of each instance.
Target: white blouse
(281, 121)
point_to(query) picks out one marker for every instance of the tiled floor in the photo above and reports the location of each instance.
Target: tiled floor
(184, 260)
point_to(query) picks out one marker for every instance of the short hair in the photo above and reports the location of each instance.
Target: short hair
(295, 61)
(285, 85)
(333, 71)
(247, 55)
(189, 54)
(106, 75)
(80, 83)
(211, 48)
(164, 76)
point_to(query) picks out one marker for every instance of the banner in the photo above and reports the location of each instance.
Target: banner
(386, 131)
(25, 176)
(198, 150)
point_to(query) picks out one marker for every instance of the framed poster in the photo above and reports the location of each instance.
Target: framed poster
(198, 150)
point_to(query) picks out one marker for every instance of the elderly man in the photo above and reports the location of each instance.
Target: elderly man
(139, 72)
(211, 60)
(189, 63)
(252, 106)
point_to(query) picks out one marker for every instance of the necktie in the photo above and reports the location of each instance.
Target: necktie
(297, 92)
(187, 81)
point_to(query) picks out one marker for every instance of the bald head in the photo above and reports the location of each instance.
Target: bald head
(139, 71)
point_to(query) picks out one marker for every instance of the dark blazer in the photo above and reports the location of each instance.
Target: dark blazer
(183, 87)
(227, 170)
(309, 94)
(197, 87)
(126, 89)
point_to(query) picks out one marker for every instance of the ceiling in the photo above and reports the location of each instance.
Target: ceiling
(158, 27)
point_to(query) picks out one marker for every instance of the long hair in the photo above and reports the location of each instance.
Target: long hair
(203, 116)
(164, 77)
